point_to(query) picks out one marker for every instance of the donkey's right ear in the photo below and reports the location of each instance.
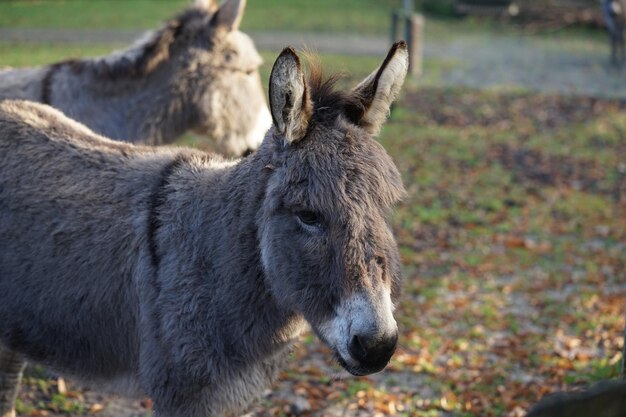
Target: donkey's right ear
(290, 102)
(375, 94)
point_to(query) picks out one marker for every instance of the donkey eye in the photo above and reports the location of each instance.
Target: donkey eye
(309, 218)
(230, 55)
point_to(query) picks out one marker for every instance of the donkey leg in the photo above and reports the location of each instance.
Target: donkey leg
(11, 367)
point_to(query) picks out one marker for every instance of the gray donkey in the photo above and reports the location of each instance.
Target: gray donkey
(189, 277)
(197, 72)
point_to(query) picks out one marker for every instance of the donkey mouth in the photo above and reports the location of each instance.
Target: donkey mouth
(358, 370)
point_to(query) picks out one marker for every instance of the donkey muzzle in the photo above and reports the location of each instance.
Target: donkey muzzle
(372, 352)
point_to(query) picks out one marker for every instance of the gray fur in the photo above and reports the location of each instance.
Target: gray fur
(186, 275)
(196, 73)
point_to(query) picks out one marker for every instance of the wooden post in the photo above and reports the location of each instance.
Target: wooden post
(415, 40)
(410, 26)
(395, 26)
(623, 370)
(407, 11)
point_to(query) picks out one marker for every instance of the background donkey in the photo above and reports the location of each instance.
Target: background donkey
(188, 276)
(197, 72)
(614, 13)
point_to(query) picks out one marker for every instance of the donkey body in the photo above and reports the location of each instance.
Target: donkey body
(197, 73)
(188, 276)
(614, 13)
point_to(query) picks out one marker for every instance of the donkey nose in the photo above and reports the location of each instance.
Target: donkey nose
(373, 351)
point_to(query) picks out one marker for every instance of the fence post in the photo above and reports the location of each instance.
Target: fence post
(623, 369)
(415, 40)
(395, 25)
(410, 26)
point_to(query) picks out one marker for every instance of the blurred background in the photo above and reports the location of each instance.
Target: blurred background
(512, 145)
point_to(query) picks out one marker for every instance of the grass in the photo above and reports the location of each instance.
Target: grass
(133, 14)
(537, 265)
(363, 16)
(35, 54)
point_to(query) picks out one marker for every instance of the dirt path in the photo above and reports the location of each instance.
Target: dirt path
(533, 63)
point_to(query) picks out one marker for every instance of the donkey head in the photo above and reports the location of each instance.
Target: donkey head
(221, 65)
(326, 244)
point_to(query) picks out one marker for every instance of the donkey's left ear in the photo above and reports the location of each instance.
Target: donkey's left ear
(290, 100)
(229, 15)
(209, 5)
(375, 94)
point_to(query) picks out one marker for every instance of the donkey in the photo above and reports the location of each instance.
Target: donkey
(614, 13)
(188, 276)
(198, 72)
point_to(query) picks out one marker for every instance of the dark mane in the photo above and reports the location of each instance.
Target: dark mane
(140, 60)
(328, 101)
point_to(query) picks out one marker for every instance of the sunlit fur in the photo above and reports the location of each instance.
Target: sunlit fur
(196, 73)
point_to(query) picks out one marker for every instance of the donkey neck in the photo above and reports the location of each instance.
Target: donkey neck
(221, 251)
(244, 191)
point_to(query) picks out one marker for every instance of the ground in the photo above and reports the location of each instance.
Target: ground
(513, 236)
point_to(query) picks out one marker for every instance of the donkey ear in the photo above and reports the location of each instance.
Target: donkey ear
(229, 15)
(210, 5)
(375, 94)
(290, 102)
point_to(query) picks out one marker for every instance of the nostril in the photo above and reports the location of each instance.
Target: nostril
(357, 350)
(373, 351)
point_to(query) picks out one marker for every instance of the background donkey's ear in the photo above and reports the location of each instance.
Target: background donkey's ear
(290, 101)
(210, 5)
(229, 15)
(375, 94)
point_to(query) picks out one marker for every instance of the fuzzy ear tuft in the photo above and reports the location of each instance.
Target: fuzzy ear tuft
(229, 15)
(290, 101)
(377, 92)
(210, 5)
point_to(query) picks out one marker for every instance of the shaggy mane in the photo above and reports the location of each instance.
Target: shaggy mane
(328, 101)
(143, 56)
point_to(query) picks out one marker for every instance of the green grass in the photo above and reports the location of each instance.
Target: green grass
(363, 16)
(130, 14)
(474, 227)
(35, 54)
